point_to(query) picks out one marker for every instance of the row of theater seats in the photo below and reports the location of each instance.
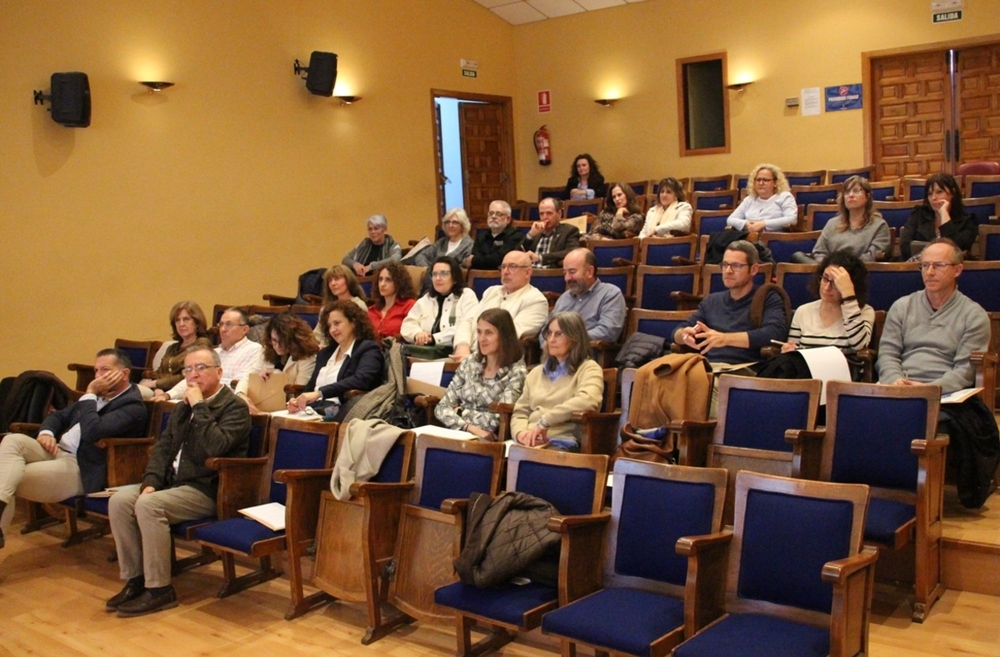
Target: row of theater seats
(407, 518)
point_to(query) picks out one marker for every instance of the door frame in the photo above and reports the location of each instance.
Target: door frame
(867, 60)
(506, 145)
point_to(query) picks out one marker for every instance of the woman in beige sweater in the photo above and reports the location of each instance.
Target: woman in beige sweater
(567, 381)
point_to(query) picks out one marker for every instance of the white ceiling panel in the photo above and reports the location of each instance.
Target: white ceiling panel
(556, 8)
(591, 5)
(518, 13)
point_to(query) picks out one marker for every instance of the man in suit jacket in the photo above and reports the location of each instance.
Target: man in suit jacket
(65, 461)
(549, 241)
(210, 421)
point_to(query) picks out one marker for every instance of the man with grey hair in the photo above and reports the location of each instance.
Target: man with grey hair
(64, 460)
(721, 327)
(177, 485)
(375, 250)
(493, 244)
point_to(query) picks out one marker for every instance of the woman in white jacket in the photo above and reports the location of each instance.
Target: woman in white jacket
(432, 320)
(671, 211)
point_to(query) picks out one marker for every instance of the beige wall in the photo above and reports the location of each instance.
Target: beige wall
(236, 180)
(227, 185)
(784, 45)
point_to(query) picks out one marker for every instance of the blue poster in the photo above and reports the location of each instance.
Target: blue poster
(844, 97)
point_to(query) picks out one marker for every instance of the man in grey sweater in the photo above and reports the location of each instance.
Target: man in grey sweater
(929, 335)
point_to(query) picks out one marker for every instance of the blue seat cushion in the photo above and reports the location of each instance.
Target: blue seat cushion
(755, 635)
(625, 620)
(885, 517)
(505, 603)
(96, 505)
(236, 534)
(181, 529)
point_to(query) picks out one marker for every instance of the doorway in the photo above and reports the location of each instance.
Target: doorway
(474, 151)
(929, 109)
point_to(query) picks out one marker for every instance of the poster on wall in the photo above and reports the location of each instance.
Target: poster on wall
(843, 97)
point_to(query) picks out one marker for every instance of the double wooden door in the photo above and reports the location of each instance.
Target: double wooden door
(935, 110)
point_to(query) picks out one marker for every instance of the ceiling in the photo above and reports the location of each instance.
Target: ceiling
(518, 12)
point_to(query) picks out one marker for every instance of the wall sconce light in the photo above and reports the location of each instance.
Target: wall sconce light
(740, 86)
(607, 102)
(156, 86)
(321, 74)
(348, 100)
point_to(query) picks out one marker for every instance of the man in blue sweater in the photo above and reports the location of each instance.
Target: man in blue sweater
(721, 328)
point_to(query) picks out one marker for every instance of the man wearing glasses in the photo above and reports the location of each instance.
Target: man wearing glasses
(929, 337)
(240, 356)
(526, 304)
(492, 245)
(722, 328)
(64, 460)
(177, 486)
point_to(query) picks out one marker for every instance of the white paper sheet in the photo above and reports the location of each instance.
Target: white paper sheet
(810, 101)
(826, 364)
(428, 371)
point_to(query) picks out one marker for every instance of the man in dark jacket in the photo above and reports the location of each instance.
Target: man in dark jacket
(493, 244)
(210, 421)
(548, 241)
(65, 461)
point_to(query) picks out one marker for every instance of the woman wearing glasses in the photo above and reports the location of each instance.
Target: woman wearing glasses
(432, 319)
(189, 326)
(768, 205)
(455, 243)
(567, 381)
(841, 316)
(858, 228)
(942, 214)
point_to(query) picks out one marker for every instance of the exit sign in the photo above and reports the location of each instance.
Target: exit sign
(947, 16)
(469, 73)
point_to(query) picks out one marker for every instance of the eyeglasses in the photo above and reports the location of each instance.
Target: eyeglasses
(763, 180)
(230, 325)
(552, 335)
(441, 274)
(827, 280)
(857, 191)
(496, 213)
(199, 368)
(934, 266)
(452, 222)
(512, 267)
(733, 266)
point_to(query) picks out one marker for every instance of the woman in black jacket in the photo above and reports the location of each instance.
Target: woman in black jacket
(352, 361)
(942, 214)
(585, 175)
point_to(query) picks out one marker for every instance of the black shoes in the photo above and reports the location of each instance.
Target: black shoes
(133, 589)
(148, 601)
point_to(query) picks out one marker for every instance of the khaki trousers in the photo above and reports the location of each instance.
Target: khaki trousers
(28, 471)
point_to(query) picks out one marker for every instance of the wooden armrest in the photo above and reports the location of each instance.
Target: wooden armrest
(454, 507)
(313, 299)
(929, 446)
(770, 351)
(837, 572)
(500, 407)
(279, 300)
(291, 476)
(690, 546)
(705, 590)
(105, 443)
(227, 463)
(682, 261)
(80, 367)
(426, 401)
(807, 448)
(372, 488)
(354, 393)
(27, 428)
(623, 262)
(294, 389)
(568, 524)
(693, 440)
(680, 295)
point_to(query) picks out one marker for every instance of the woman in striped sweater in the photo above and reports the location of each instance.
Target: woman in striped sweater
(840, 317)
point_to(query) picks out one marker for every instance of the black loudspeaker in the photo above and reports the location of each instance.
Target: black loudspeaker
(322, 73)
(71, 99)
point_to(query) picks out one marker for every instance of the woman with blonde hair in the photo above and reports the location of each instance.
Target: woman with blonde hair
(769, 204)
(456, 242)
(567, 381)
(340, 284)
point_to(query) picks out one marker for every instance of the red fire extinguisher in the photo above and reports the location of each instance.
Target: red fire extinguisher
(542, 146)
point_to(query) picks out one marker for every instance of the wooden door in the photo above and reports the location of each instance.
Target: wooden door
(911, 114)
(442, 179)
(979, 103)
(486, 165)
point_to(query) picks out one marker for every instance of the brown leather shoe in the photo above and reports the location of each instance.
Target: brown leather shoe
(148, 602)
(133, 589)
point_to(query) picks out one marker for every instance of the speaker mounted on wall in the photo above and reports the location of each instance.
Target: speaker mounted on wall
(70, 99)
(321, 74)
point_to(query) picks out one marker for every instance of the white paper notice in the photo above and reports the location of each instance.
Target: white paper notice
(826, 364)
(810, 101)
(428, 372)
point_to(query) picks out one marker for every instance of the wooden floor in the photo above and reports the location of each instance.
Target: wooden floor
(52, 603)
